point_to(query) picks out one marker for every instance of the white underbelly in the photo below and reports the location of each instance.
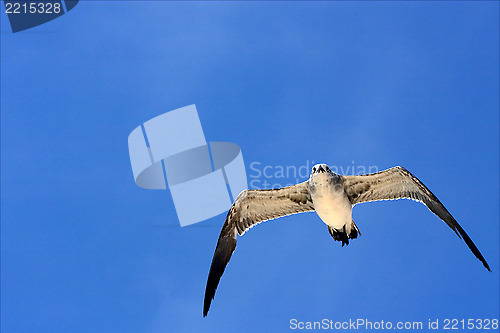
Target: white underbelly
(333, 209)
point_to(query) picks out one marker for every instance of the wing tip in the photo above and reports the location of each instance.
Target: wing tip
(223, 252)
(206, 303)
(212, 283)
(209, 296)
(205, 312)
(485, 264)
(463, 235)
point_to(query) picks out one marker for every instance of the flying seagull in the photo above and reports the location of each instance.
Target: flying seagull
(332, 196)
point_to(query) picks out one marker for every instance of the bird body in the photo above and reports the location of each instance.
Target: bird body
(332, 196)
(329, 200)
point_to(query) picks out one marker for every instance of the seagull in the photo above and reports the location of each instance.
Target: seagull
(332, 197)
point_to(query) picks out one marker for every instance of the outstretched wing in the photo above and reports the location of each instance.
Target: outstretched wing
(250, 208)
(398, 183)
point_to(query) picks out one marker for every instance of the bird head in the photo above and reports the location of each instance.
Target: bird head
(320, 168)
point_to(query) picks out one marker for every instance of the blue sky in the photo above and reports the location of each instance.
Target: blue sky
(353, 83)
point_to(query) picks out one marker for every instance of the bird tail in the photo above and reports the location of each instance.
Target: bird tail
(344, 235)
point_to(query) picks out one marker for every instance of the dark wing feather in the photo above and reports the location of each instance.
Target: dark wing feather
(398, 183)
(250, 208)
